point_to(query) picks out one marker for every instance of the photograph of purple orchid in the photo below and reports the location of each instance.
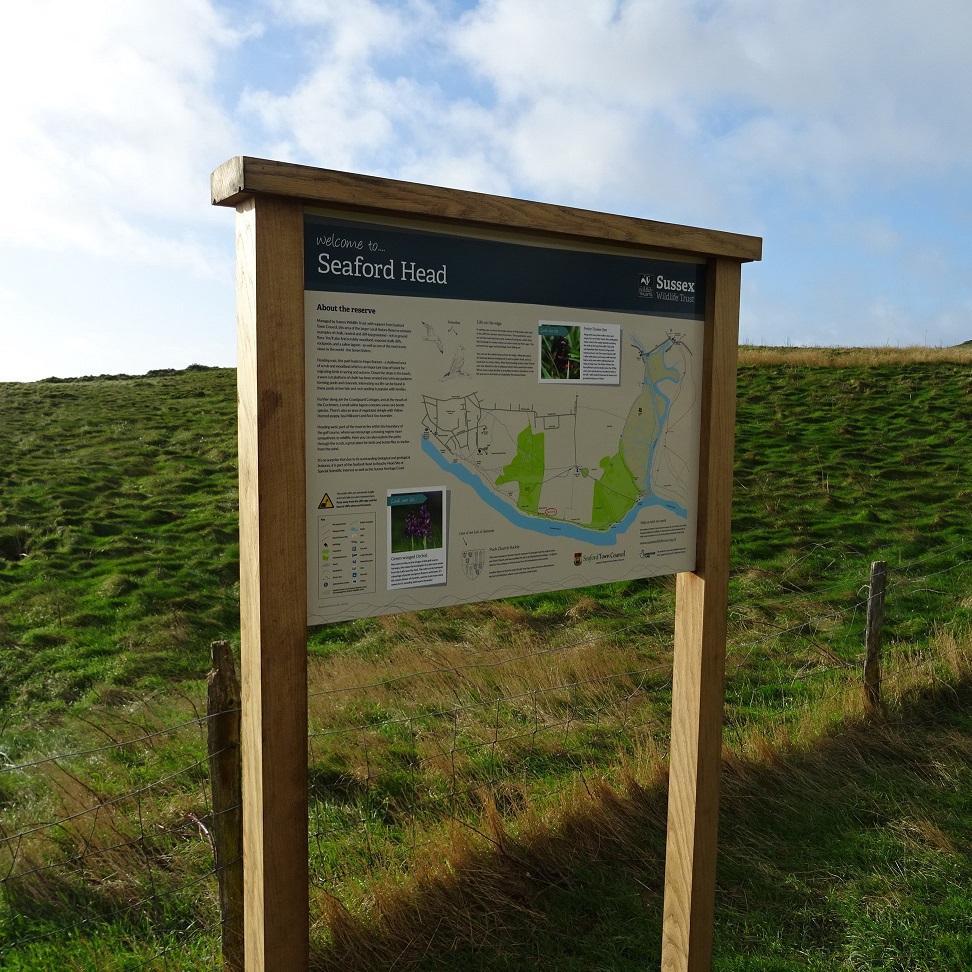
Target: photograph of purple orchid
(417, 525)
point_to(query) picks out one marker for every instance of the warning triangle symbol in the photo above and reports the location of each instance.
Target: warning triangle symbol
(326, 503)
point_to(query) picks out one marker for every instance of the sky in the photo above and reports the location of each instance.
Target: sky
(840, 131)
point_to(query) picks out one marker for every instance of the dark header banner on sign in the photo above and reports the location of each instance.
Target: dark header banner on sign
(343, 256)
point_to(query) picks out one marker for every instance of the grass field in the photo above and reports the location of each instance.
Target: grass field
(539, 722)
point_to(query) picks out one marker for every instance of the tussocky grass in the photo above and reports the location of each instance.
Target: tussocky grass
(119, 550)
(118, 566)
(841, 848)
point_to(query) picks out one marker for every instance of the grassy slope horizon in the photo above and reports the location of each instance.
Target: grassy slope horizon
(119, 563)
(119, 556)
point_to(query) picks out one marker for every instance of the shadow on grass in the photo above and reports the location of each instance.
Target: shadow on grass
(852, 853)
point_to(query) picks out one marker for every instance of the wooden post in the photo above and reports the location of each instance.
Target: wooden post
(700, 650)
(223, 742)
(273, 590)
(872, 638)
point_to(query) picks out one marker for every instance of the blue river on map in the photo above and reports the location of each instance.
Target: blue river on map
(561, 528)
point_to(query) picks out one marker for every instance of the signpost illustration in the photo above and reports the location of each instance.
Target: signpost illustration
(447, 397)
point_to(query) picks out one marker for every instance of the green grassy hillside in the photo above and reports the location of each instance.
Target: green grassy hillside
(119, 565)
(118, 534)
(118, 530)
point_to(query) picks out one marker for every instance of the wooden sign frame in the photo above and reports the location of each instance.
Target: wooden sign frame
(270, 199)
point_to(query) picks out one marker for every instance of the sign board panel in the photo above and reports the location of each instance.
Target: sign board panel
(487, 417)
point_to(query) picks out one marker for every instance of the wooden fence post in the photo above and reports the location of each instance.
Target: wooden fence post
(227, 784)
(872, 639)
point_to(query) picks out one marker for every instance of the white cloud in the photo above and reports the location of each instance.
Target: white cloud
(93, 314)
(687, 109)
(334, 116)
(355, 32)
(774, 119)
(111, 125)
(816, 89)
(837, 130)
(340, 111)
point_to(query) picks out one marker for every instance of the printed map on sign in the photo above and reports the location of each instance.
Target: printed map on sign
(583, 473)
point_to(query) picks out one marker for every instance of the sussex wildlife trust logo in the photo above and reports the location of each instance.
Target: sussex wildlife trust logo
(645, 288)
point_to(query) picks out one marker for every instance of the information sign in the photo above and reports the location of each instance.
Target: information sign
(497, 397)
(488, 418)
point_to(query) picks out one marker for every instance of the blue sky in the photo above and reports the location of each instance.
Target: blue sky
(840, 132)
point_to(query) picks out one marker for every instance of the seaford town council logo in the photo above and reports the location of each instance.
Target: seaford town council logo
(578, 559)
(472, 562)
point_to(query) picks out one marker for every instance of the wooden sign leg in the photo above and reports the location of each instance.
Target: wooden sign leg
(700, 648)
(273, 592)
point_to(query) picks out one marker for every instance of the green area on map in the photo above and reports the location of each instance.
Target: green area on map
(526, 469)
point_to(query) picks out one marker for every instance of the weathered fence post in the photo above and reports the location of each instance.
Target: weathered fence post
(225, 774)
(872, 639)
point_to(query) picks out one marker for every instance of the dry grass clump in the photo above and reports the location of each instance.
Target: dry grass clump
(852, 357)
(494, 883)
(105, 829)
(482, 887)
(513, 681)
(99, 853)
(429, 737)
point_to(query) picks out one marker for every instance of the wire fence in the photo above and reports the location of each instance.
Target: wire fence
(110, 840)
(104, 836)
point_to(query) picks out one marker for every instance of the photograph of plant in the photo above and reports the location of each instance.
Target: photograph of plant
(560, 352)
(418, 525)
